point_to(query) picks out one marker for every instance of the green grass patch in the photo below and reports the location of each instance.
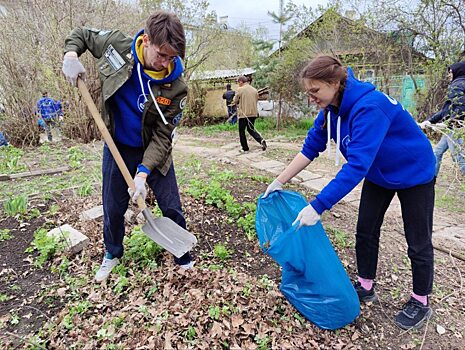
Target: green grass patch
(290, 128)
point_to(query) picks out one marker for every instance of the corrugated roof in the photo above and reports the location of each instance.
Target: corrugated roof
(221, 74)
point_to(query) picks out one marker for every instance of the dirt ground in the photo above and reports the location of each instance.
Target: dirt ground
(159, 306)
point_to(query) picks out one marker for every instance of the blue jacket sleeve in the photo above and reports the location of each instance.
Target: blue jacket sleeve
(450, 107)
(316, 139)
(368, 130)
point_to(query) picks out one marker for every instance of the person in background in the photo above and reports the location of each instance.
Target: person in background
(452, 112)
(143, 96)
(48, 113)
(3, 141)
(384, 147)
(246, 99)
(232, 109)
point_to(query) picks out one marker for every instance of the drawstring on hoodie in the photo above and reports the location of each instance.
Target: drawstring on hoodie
(338, 138)
(151, 93)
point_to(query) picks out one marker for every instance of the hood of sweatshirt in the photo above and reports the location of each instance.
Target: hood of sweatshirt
(354, 91)
(458, 70)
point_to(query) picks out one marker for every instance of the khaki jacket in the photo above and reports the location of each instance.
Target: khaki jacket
(156, 135)
(246, 99)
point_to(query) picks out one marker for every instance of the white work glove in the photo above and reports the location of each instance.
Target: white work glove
(72, 69)
(139, 184)
(274, 186)
(424, 124)
(307, 217)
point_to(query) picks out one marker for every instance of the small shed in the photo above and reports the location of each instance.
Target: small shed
(215, 84)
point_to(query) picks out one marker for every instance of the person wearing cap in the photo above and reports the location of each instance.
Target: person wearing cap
(453, 114)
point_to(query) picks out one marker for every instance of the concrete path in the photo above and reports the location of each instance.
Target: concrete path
(448, 236)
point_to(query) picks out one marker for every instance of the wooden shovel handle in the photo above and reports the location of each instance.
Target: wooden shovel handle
(108, 139)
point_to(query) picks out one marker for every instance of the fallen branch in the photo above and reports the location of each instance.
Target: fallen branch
(460, 256)
(40, 172)
(461, 280)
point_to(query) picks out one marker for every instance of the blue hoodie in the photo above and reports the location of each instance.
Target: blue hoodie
(127, 104)
(379, 139)
(47, 108)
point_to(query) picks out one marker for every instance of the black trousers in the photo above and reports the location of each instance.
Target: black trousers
(115, 197)
(417, 204)
(249, 124)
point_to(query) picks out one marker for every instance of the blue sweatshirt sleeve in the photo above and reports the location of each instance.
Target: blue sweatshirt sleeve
(368, 130)
(316, 139)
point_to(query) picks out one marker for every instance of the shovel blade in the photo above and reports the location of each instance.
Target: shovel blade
(169, 235)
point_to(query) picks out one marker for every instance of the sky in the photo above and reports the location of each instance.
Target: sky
(253, 13)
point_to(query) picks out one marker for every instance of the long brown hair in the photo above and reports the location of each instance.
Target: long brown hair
(327, 69)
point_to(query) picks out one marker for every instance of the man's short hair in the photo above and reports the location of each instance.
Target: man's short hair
(164, 29)
(242, 79)
(228, 86)
(44, 93)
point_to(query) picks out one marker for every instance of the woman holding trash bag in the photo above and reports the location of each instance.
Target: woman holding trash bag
(383, 145)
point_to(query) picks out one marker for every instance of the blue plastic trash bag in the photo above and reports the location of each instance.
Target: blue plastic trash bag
(313, 278)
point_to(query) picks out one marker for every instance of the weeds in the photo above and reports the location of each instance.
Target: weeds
(141, 249)
(214, 312)
(77, 309)
(46, 246)
(221, 252)
(262, 343)
(5, 235)
(214, 193)
(4, 297)
(340, 238)
(9, 160)
(190, 334)
(75, 155)
(85, 190)
(16, 205)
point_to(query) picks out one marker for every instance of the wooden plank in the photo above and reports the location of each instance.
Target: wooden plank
(39, 172)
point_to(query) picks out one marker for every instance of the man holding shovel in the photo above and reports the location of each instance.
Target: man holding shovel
(143, 94)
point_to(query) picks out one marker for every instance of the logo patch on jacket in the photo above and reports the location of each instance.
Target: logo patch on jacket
(113, 57)
(177, 119)
(182, 103)
(345, 141)
(141, 102)
(163, 101)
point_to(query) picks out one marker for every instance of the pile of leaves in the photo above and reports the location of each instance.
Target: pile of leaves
(167, 307)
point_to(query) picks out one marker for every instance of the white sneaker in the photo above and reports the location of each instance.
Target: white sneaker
(188, 266)
(105, 269)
